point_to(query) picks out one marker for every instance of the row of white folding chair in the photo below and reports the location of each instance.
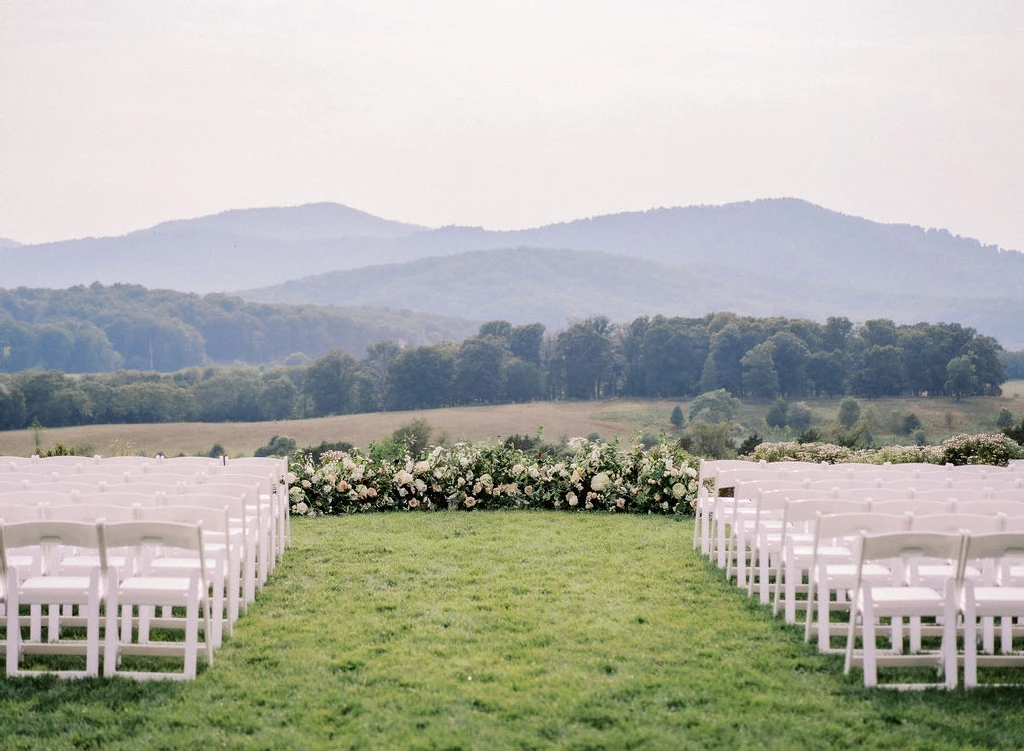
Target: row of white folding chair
(960, 595)
(214, 511)
(831, 566)
(90, 588)
(259, 489)
(218, 533)
(707, 493)
(240, 497)
(783, 529)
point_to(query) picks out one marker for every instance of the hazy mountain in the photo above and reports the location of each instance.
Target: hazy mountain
(773, 256)
(525, 285)
(8, 243)
(314, 221)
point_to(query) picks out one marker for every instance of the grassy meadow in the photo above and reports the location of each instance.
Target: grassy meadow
(505, 630)
(623, 418)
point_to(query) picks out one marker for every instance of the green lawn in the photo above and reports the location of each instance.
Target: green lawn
(504, 631)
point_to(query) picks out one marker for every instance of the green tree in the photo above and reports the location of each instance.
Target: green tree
(714, 407)
(330, 383)
(422, 377)
(961, 378)
(480, 371)
(585, 360)
(849, 412)
(760, 378)
(676, 418)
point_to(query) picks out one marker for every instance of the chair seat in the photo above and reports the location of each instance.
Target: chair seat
(999, 600)
(155, 590)
(36, 587)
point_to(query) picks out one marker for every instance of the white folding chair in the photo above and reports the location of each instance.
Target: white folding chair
(218, 537)
(796, 549)
(53, 591)
(243, 530)
(145, 589)
(833, 568)
(994, 596)
(872, 602)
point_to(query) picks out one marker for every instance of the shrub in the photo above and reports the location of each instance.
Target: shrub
(981, 449)
(278, 445)
(415, 435)
(849, 412)
(910, 423)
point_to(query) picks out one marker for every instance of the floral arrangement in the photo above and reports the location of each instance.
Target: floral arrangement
(592, 475)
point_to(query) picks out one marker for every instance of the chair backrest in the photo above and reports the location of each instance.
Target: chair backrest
(89, 512)
(17, 512)
(48, 534)
(994, 545)
(856, 523)
(990, 506)
(77, 486)
(911, 506)
(807, 510)
(154, 533)
(36, 497)
(172, 478)
(957, 522)
(214, 519)
(908, 546)
(126, 498)
(946, 495)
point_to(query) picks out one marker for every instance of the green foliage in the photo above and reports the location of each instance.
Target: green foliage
(714, 406)
(776, 415)
(1005, 419)
(910, 424)
(749, 443)
(278, 445)
(216, 451)
(315, 453)
(711, 440)
(1015, 432)
(655, 356)
(810, 435)
(849, 412)
(676, 418)
(414, 435)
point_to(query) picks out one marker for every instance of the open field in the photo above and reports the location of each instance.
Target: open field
(521, 630)
(621, 418)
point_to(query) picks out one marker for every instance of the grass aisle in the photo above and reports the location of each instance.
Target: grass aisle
(504, 631)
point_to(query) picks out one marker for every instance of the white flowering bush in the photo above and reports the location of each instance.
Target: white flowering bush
(984, 448)
(592, 475)
(994, 449)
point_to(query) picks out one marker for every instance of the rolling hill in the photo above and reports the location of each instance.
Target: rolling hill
(767, 257)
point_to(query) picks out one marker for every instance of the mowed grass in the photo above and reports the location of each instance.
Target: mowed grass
(609, 418)
(513, 630)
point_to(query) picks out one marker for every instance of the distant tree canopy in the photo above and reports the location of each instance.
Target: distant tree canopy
(716, 357)
(104, 328)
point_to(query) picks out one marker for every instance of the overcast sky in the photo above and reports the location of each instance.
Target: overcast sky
(116, 115)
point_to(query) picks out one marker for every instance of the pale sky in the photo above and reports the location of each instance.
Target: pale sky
(119, 114)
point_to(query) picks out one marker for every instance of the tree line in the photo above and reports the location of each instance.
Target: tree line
(754, 358)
